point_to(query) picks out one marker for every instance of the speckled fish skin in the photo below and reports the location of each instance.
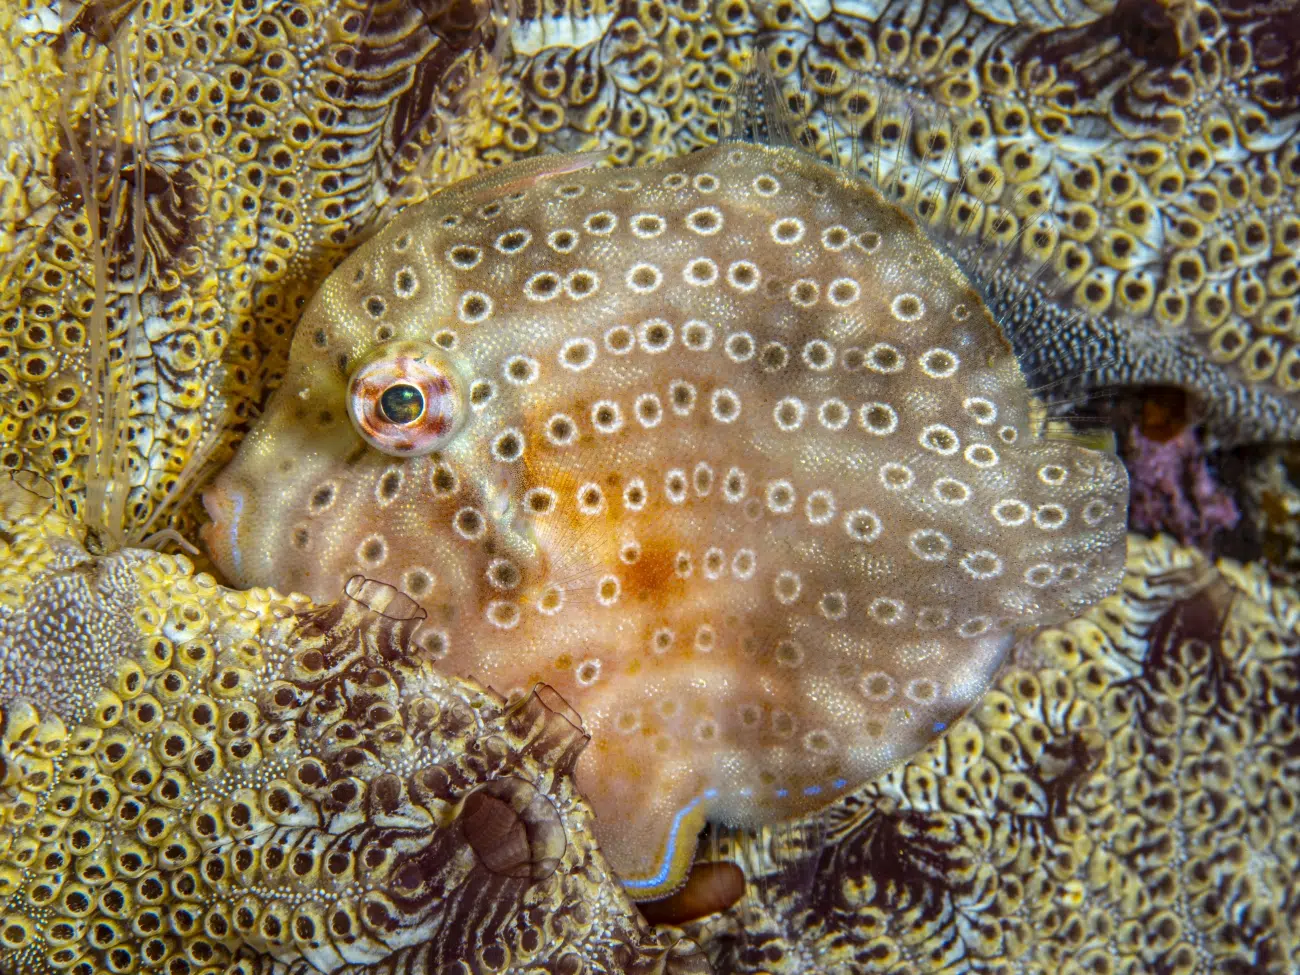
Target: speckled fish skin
(738, 462)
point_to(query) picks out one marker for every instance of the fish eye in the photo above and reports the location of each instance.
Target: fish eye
(401, 403)
(405, 399)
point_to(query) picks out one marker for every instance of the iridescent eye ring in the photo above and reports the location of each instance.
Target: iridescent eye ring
(405, 399)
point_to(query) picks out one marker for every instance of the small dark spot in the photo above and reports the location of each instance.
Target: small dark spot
(469, 521)
(561, 429)
(322, 498)
(464, 256)
(512, 241)
(389, 485)
(509, 447)
(704, 221)
(544, 284)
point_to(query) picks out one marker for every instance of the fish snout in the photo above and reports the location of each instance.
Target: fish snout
(224, 504)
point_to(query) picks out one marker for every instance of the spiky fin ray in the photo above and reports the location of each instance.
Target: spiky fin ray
(761, 115)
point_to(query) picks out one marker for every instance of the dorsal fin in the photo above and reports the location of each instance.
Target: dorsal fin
(1002, 236)
(761, 115)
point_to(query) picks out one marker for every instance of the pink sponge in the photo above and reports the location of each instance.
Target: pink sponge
(1174, 490)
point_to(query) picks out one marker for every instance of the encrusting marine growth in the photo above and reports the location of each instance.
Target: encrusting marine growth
(723, 448)
(197, 781)
(1167, 133)
(1123, 800)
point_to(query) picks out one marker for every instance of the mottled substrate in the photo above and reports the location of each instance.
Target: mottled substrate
(195, 780)
(177, 179)
(1271, 503)
(1142, 154)
(1174, 489)
(1126, 801)
(656, 80)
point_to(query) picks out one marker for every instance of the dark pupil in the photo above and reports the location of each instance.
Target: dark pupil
(401, 403)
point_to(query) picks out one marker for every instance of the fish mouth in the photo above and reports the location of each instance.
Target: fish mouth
(220, 536)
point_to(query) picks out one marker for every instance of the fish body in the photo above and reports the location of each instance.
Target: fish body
(724, 449)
